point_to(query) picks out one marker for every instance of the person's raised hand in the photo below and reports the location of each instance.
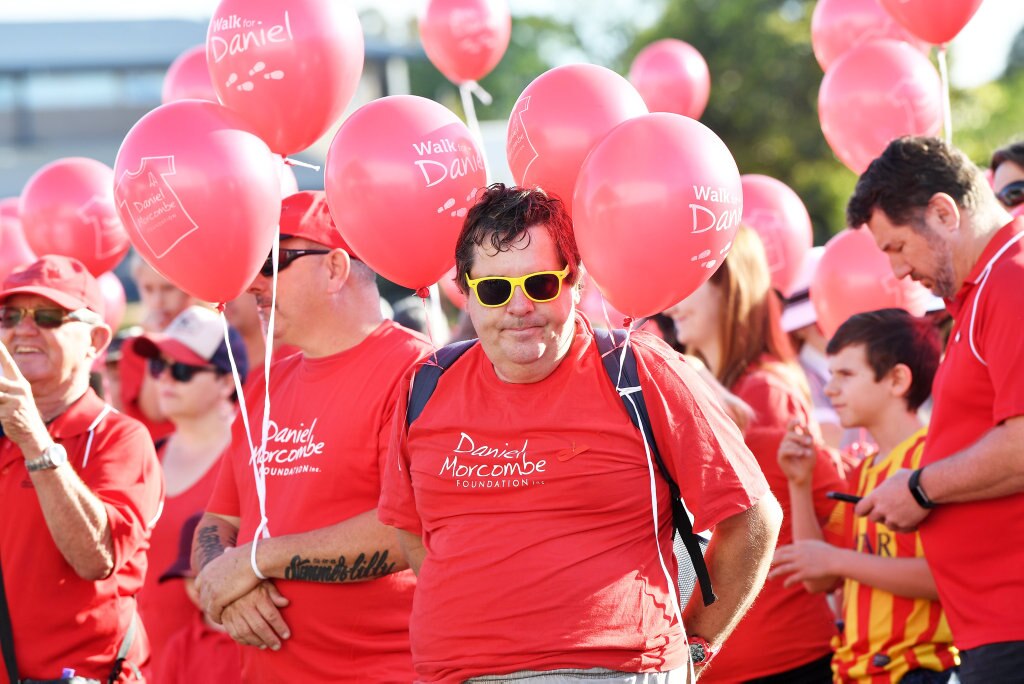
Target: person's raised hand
(797, 454)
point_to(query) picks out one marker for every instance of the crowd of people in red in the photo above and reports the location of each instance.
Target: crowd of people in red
(215, 505)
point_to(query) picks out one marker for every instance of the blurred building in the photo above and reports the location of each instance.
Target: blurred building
(75, 89)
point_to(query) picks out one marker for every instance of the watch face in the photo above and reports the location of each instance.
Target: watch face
(58, 455)
(697, 653)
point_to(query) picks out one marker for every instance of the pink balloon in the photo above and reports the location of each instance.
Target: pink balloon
(936, 21)
(290, 68)
(838, 25)
(877, 92)
(657, 205)
(402, 173)
(781, 220)
(200, 196)
(67, 208)
(559, 118)
(113, 299)
(465, 39)
(14, 249)
(854, 276)
(451, 290)
(188, 78)
(599, 311)
(672, 76)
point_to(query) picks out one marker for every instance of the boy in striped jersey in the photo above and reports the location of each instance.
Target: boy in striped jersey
(894, 629)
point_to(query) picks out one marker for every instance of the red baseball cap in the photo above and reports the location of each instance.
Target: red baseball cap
(63, 280)
(306, 215)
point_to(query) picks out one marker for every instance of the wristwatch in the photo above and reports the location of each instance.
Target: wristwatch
(917, 491)
(53, 456)
(700, 650)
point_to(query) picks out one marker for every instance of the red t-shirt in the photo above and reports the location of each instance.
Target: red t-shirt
(164, 607)
(534, 502)
(197, 654)
(59, 619)
(330, 424)
(133, 370)
(785, 628)
(974, 548)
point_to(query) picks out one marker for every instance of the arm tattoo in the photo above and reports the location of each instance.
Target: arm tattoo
(335, 570)
(209, 544)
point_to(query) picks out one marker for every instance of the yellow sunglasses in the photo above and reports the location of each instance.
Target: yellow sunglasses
(540, 287)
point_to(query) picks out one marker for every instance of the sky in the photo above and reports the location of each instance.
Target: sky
(978, 53)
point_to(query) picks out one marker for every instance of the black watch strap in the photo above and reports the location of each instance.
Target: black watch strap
(917, 491)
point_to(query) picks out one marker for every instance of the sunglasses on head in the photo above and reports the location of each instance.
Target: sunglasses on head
(540, 287)
(180, 372)
(1012, 194)
(49, 318)
(285, 259)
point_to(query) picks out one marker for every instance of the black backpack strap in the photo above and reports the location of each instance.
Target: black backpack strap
(609, 344)
(425, 381)
(7, 634)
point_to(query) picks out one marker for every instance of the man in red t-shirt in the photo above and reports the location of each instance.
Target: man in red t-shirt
(932, 211)
(326, 596)
(80, 486)
(523, 494)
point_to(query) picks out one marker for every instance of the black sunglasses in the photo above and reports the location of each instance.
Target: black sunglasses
(1012, 194)
(10, 317)
(285, 259)
(181, 372)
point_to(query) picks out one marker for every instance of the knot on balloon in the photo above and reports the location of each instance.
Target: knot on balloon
(627, 322)
(423, 293)
(221, 307)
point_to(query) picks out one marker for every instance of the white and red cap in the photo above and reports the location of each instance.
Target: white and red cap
(196, 337)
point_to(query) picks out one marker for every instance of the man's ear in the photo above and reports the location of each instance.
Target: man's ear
(900, 379)
(943, 211)
(339, 268)
(100, 337)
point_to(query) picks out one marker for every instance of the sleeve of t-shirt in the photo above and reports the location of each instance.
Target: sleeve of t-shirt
(225, 500)
(123, 472)
(701, 446)
(397, 506)
(998, 338)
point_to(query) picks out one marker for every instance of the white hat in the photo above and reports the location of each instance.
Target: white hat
(798, 311)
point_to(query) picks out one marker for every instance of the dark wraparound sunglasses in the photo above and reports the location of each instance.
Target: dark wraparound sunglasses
(10, 317)
(1012, 194)
(181, 372)
(287, 256)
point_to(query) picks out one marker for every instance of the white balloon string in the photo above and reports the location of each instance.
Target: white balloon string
(295, 162)
(604, 309)
(466, 91)
(947, 107)
(238, 388)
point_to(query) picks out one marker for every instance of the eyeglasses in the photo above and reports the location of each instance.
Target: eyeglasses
(285, 259)
(181, 372)
(540, 287)
(1012, 195)
(10, 317)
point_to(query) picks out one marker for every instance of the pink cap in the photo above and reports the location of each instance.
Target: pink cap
(306, 215)
(63, 280)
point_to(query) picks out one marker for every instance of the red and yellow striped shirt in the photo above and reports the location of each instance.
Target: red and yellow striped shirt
(885, 636)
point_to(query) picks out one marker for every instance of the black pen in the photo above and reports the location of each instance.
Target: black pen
(843, 496)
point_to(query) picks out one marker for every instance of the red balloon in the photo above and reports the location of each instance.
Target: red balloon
(67, 208)
(854, 276)
(559, 118)
(451, 290)
(113, 299)
(877, 92)
(290, 68)
(465, 39)
(672, 76)
(936, 21)
(188, 78)
(14, 249)
(200, 196)
(781, 220)
(402, 173)
(657, 205)
(838, 25)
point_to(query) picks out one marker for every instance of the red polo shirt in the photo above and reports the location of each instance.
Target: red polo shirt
(974, 549)
(59, 619)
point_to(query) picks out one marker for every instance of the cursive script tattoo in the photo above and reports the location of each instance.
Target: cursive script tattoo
(209, 544)
(338, 570)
